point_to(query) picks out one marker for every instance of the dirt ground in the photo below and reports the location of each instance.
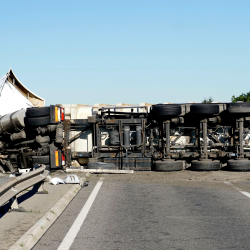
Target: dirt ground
(186, 175)
(213, 179)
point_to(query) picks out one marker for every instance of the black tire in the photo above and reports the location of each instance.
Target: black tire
(38, 121)
(205, 108)
(168, 166)
(101, 165)
(238, 107)
(238, 165)
(36, 112)
(166, 110)
(44, 159)
(206, 165)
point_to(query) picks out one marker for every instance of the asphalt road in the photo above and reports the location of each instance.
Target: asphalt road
(148, 214)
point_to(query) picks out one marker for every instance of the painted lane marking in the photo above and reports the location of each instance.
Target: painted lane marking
(73, 231)
(238, 189)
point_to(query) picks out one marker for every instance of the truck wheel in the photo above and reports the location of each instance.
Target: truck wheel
(238, 107)
(38, 121)
(166, 110)
(36, 112)
(238, 165)
(205, 108)
(206, 165)
(168, 165)
(44, 159)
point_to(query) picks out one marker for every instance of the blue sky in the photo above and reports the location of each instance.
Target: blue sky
(128, 51)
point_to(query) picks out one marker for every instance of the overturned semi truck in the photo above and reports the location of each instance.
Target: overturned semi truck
(161, 137)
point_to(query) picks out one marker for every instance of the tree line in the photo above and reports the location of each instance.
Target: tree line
(242, 98)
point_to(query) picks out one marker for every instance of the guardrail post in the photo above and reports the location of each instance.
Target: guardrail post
(40, 188)
(14, 206)
(14, 203)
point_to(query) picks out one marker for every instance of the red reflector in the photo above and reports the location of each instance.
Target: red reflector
(62, 114)
(63, 160)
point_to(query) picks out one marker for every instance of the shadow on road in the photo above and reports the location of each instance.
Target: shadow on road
(7, 207)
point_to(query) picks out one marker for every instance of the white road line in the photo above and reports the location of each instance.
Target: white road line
(245, 193)
(73, 231)
(238, 189)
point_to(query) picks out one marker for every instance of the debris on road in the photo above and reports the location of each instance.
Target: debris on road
(56, 181)
(72, 179)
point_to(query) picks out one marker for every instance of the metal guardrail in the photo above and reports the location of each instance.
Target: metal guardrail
(10, 189)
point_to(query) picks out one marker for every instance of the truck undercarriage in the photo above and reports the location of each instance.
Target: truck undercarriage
(164, 137)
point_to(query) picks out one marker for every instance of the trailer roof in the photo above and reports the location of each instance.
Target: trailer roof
(32, 97)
